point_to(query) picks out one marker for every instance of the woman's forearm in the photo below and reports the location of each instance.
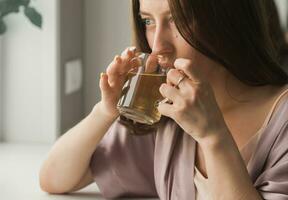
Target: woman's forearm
(227, 174)
(70, 156)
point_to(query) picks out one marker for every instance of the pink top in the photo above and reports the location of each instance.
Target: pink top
(161, 164)
(201, 183)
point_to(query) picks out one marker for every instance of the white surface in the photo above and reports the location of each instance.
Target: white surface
(73, 76)
(30, 70)
(19, 167)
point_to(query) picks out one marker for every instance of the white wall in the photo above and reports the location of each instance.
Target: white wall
(283, 14)
(107, 33)
(1, 96)
(30, 78)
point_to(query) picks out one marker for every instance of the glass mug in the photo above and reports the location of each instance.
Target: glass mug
(140, 94)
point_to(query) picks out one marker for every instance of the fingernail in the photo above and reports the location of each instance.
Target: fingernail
(126, 51)
(130, 51)
(132, 48)
(117, 59)
(102, 74)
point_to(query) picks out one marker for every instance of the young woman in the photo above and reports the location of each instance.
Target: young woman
(224, 136)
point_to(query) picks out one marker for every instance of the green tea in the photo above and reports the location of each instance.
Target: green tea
(140, 97)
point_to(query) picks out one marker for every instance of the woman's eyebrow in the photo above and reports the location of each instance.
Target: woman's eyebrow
(144, 13)
(149, 14)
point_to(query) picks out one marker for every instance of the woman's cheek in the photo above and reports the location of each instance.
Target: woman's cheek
(150, 38)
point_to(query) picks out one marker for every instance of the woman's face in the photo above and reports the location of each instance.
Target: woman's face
(163, 36)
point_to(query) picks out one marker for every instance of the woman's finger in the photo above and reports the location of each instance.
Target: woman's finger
(165, 109)
(104, 84)
(187, 67)
(113, 70)
(176, 77)
(128, 54)
(104, 81)
(170, 92)
(120, 66)
(126, 57)
(135, 62)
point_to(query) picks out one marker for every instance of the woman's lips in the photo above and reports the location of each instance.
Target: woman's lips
(167, 65)
(165, 61)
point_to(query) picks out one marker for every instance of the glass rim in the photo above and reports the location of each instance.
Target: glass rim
(143, 56)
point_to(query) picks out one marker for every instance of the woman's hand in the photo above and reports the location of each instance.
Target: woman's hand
(113, 80)
(194, 105)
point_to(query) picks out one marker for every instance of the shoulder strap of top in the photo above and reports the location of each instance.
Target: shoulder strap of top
(274, 106)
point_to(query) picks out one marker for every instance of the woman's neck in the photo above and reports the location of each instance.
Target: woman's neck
(231, 93)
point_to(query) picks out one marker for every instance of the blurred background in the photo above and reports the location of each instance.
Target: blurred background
(49, 77)
(49, 81)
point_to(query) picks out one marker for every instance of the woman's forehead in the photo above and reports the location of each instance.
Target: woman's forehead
(154, 7)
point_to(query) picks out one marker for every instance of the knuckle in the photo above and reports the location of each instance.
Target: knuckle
(188, 62)
(171, 73)
(186, 65)
(110, 71)
(122, 70)
(116, 69)
(183, 63)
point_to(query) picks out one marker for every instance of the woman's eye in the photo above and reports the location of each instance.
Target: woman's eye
(147, 21)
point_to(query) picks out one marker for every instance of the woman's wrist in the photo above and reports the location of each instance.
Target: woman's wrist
(99, 111)
(218, 139)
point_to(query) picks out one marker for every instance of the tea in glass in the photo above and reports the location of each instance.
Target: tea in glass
(140, 94)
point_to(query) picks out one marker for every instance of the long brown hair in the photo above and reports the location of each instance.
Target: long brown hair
(234, 33)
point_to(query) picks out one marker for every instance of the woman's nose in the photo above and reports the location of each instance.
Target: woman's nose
(162, 43)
